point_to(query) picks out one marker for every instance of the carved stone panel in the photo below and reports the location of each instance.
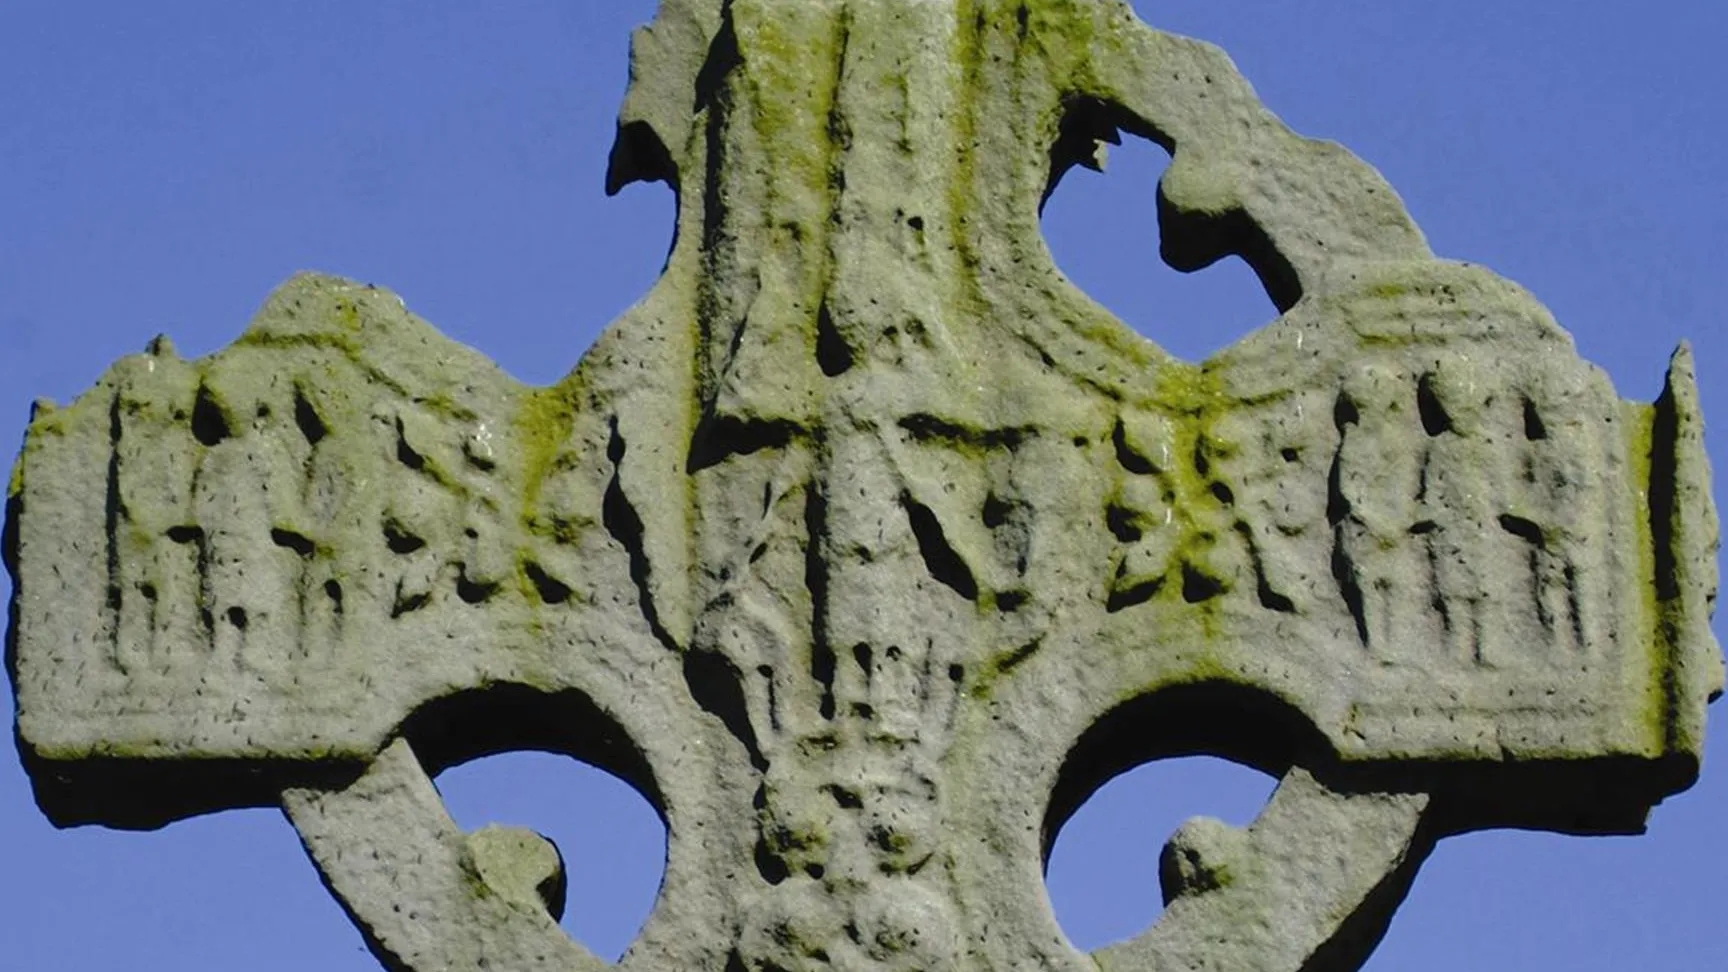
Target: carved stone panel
(866, 546)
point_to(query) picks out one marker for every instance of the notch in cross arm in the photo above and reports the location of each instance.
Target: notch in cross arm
(248, 570)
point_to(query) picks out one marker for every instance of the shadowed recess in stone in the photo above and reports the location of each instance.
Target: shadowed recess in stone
(866, 547)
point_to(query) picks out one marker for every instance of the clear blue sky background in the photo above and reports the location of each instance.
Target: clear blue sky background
(164, 165)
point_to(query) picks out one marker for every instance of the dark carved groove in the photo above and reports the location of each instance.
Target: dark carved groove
(769, 865)
(1202, 461)
(1270, 598)
(408, 603)
(193, 536)
(1524, 529)
(473, 592)
(186, 534)
(816, 582)
(1121, 598)
(290, 540)
(405, 453)
(549, 589)
(311, 426)
(400, 539)
(624, 525)
(1344, 415)
(929, 428)
(833, 354)
(1130, 460)
(862, 654)
(1574, 604)
(713, 102)
(723, 57)
(720, 437)
(1534, 428)
(1349, 584)
(942, 561)
(1123, 523)
(209, 422)
(1665, 448)
(717, 685)
(1198, 586)
(112, 513)
(1017, 657)
(1435, 421)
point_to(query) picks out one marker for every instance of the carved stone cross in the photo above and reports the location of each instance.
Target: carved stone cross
(866, 547)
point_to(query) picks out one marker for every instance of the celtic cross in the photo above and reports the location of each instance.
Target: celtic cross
(866, 547)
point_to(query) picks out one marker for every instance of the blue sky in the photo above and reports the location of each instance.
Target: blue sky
(163, 166)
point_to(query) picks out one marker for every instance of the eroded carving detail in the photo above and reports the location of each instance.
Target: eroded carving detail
(866, 546)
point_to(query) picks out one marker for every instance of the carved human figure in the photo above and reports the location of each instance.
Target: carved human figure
(1465, 475)
(160, 586)
(1378, 483)
(1277, 474)
(1552, 506)
(866, 546)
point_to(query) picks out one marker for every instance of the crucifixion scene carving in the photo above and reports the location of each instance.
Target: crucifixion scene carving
(867, 546)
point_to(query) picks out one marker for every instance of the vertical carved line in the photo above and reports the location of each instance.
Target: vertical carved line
(112, 513)
(1478, 642)
(1539, 583)
(1683, 533)
(303, 549)
(1338, 513)
(1436, 597)
(1537, 560)
(822, 661)
(625, 526)
(1575, 606)
(1664, 443)
(714, 96)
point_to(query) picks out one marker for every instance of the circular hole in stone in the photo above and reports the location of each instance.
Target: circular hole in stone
(1102, 870)
(612, 841)
(1102, 231)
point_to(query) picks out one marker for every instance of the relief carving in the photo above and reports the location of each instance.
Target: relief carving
(866, 546)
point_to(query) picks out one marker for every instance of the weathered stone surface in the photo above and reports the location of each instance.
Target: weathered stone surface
(867, 547)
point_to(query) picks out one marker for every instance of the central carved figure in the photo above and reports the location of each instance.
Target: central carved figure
(867, 547)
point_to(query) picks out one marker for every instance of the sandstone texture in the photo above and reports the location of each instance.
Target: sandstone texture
(866, 547)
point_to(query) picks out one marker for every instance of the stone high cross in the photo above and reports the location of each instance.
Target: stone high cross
(867, 547)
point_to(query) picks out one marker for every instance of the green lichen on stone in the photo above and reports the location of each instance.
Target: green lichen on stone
(862, 528)
(1638, 420)
(542, 425)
